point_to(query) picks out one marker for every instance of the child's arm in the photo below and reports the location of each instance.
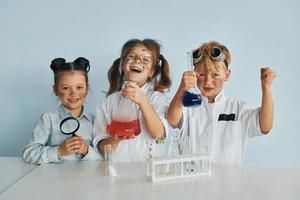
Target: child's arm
(267, 107)
(175, 109)
(37, 151)
(152, 121)
(174, 114)
(100, 136)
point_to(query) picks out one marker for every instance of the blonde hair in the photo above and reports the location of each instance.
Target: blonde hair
(205, 49)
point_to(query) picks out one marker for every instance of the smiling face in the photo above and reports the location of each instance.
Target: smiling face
(211, 79)
(71, 90)
(137, 65)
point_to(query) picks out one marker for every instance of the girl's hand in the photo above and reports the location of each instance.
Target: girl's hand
(75, 144)
(114, 142)
(84, 148)
(267, 76)
(133, 92)
(188, 80)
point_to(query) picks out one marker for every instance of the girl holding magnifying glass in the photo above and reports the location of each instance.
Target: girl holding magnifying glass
(48, 144)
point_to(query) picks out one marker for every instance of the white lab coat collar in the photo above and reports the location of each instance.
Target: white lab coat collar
(218, 99)
(147, 86)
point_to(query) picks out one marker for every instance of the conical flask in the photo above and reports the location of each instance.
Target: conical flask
(192, 97)
(125, 123)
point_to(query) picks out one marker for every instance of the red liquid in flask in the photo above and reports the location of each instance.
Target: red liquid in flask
(124, 130)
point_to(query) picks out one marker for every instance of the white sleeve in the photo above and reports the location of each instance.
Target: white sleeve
(102, 118)
(251, 118)
(92, 152)
(160, 104)
(37, 151)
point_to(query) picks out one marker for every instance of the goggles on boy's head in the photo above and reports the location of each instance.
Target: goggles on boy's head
(214, 54)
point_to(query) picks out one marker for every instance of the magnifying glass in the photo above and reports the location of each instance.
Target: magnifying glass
(69, 126)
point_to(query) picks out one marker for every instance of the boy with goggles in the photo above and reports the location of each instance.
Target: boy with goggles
(221, 123)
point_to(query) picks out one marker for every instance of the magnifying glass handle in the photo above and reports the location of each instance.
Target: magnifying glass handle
(73, 134)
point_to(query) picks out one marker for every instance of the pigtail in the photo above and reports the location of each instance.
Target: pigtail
(57, 63)
(165, 80)
(115, 77)
(83, 63)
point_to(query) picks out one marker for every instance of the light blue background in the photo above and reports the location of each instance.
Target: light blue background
(257, 32)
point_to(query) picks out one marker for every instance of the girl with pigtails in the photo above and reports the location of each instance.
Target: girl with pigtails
(47, 143)
(141, 74)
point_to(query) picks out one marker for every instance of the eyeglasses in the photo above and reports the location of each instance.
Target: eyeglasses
(215, 54)
(144, 59)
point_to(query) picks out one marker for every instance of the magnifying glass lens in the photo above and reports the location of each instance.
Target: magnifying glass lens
(69, 126)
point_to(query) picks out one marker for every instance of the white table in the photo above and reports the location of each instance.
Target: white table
(12, 169)
(86, 180)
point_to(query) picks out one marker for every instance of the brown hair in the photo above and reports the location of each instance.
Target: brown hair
(160, 64)
(59, 65)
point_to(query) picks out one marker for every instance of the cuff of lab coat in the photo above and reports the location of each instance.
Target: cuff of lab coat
(97, 140)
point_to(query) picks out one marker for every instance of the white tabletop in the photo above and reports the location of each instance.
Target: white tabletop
(12, 169)
(86, 180)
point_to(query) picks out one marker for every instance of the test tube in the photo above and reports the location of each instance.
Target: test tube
(109, 161)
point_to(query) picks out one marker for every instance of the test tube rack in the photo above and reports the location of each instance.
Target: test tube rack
(183, 166)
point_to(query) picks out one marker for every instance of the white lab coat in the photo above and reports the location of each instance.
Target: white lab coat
(142, 146)
(222, 127)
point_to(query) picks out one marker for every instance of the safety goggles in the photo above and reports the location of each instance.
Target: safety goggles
(215, 54)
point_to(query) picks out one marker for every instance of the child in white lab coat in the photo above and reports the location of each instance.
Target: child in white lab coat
(146, 73)
(221, 124)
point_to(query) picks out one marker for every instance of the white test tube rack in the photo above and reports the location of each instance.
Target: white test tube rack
(183, 166)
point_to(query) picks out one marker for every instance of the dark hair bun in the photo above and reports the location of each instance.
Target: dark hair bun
(57, 63)
(83, 63)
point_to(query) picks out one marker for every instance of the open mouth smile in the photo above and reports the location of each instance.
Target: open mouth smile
(135, 69)
(73, 100)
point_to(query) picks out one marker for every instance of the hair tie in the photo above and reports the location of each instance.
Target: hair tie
(88, 67)
(161, 57)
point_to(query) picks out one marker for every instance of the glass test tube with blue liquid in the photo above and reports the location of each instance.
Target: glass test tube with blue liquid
(192, 97)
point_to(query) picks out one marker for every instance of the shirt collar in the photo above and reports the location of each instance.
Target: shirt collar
(64, 112)
(148, 86)
(218, 99)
